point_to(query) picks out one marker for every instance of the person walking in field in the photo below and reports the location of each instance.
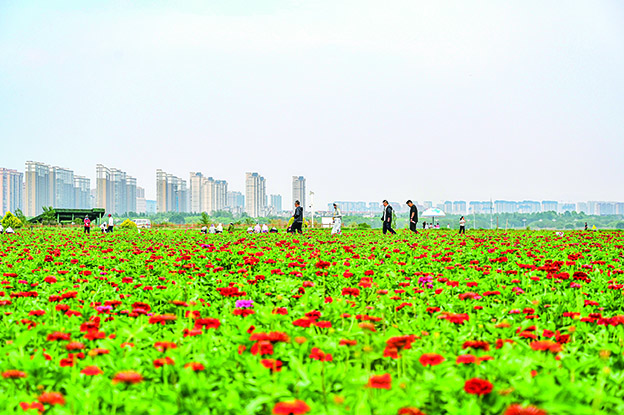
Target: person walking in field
(111, 223)
(87, 225)
(337, 217)
(386, 217)
(297, 218)
(413, 216)
(462, 225)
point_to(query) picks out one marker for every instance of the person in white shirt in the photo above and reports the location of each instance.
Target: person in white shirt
(250, 230)
(212, 229)
(265, 228)
(9, 230)
(103, 227)
(204, 230)
(462, 225)
(111, 223)
(220, 228)
(1, 229)
(257, 228)
(337, 217)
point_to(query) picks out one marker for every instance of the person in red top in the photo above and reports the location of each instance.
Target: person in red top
(87, 225)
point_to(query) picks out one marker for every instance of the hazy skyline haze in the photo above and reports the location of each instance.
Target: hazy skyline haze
(430, 101)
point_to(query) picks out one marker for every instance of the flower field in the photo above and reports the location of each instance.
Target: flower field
(166, 322)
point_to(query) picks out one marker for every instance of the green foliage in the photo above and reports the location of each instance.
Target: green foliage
(128, 224)
(619, 225)
(363, 225)
(537, 314)
(10, 220)
(204, 219)
(48, 216)
(177, 219)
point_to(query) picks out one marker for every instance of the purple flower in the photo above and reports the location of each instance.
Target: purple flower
(244, 303)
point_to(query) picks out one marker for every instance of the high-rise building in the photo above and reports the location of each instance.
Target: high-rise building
(568, 207)
(550, 205)
(38, 188)
(220, 195)
(276, 203)
(299, 191)
(11, 191)
(481, 207)
(171, 193)
(459, 207)
(448, 207)
(529, 206)
(116, 190)
(63, 187)
(606, 208)
(582, 207)
(427, 204)
(82, 192)
(505, 206)
(255, 194)
(195, 192)
(141, 203)
(54, 186)
(151, 206)
(235, 202)
(207, 194)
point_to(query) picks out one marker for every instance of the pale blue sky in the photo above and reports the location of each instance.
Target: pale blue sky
(460, 100)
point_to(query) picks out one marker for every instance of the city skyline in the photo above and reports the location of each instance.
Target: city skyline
(118, 192)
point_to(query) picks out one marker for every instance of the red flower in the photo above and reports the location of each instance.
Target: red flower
(380, 381)
(13, 374)
(466, 359)
(345, 342)
(127, 377)
(51, 398)
(318, 354)
(477, 386)
(431, 359)
(295, 407)
(476, 344)
(164, 346)
(195, 366)
(91, 371)
(207, 323)
(35, 405)
(273, 364)
(410, 411)
(57, 336)
(163, 361)
(516, 409)
(262, 348)
(351, 291)
(546, 345)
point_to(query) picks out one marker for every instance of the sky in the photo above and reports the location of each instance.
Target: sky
(369, 100)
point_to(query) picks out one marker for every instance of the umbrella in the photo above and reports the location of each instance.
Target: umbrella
(433, 212)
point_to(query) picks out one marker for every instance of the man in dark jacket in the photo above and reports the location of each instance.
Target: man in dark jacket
(387, 218)
(297, 218)
(413, 216)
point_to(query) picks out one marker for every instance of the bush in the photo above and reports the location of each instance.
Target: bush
(363, 225)
(619, 225)
(128, 224)
(10, 220)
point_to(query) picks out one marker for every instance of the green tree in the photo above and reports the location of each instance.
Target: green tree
(10, 220)
(204, 219)
(48, 216)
